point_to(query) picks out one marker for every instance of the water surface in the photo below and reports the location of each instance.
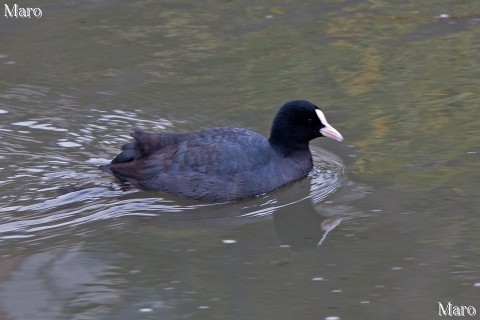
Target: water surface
(385, 228)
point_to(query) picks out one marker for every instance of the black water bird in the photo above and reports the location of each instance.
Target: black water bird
(224, 163)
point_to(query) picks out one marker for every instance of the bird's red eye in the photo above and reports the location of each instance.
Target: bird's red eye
(310, 121)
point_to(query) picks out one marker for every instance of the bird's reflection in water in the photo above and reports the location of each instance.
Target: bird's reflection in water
(307, 224)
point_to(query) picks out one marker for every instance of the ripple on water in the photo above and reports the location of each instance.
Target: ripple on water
(101, 201)
(36, 125)
(50, 179)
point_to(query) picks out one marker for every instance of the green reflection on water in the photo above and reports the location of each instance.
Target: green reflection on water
(401, 85)
(407, 80)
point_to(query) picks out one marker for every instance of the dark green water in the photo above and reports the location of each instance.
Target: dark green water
(401, 85)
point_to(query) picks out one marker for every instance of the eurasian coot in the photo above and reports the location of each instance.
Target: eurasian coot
(224, 163)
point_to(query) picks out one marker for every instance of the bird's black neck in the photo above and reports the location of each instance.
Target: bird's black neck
(288, 145)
